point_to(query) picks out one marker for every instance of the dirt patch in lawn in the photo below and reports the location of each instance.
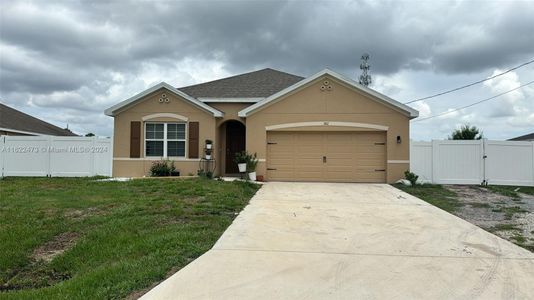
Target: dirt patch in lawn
(511, 218)
(55, 247)
(81, 214)
(33, 276)
(38, 272)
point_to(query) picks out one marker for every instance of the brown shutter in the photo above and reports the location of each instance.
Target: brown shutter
(193, 140)
(135, 139)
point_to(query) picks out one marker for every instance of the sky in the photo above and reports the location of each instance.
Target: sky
(67, 61)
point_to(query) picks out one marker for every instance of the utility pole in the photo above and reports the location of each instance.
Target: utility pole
(365, 78)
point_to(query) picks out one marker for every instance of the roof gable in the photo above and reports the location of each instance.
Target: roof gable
(257, 84)
(12, 119)
(412, 113)
(112, 111)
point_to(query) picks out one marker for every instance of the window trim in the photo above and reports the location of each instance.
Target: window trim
(165, 140)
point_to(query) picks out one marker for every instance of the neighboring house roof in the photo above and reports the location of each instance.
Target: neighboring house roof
(19, 122)
(526, 137)
(255, 85)
(412, 113)
(112, 111)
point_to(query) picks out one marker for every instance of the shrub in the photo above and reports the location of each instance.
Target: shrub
(252, 162)
(162, 168)
(411, 177)
(241, 157)
(205, 174)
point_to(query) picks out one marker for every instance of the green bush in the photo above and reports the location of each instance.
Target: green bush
(241, 157)
(205, 174)
(162, 168)
(252, 162)
(411, 177)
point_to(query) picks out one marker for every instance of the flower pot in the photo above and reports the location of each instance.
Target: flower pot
(208, 146)
(242, 167)
(252, 176)
(208, 156)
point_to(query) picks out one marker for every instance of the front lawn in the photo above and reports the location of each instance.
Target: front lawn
(78, 238)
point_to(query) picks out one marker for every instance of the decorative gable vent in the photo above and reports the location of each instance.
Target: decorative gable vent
(164, 99)
(326, 86)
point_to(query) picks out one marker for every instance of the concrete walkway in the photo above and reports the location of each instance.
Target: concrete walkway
(351, 241)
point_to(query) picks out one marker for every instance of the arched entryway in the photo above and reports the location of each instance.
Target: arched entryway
(234, 141)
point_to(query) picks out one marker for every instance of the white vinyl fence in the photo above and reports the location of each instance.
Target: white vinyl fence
(55, 156)
(473, 162)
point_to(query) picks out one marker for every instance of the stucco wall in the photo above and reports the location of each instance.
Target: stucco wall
(125, 166)
(342, 103)
(141, 167)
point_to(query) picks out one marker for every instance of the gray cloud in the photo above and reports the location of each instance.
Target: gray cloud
(69, 51)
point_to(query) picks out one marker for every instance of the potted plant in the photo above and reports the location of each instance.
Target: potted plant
(252, 162)
(241, 160)
(209, 144)
(208, 153)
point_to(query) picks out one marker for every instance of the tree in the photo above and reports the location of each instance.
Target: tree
(466, 132)
(90, 134)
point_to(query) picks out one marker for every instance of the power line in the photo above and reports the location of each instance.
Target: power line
(473, 104)
(471, 84)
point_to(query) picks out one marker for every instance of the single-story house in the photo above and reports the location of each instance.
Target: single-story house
(14, 122)
(325, 127)
(527, 138)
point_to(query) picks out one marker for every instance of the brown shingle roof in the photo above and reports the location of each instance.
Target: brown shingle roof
(262, 83)
(16, 120)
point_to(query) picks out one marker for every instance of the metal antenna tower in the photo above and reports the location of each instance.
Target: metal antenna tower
(365, 78)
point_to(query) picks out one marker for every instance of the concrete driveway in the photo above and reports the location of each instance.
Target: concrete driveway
(351, 241)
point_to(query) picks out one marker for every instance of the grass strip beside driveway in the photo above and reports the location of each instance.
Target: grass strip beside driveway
(503, 210)
(434, 194)
(511, 191)
(77, 238)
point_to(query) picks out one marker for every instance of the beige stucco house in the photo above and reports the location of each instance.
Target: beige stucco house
(322, 128)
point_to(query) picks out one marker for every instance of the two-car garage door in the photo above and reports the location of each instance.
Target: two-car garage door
(326, 156)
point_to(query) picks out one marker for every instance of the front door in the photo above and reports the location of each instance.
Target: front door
(235, 142)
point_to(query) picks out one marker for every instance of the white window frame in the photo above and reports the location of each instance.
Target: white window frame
(165, 139)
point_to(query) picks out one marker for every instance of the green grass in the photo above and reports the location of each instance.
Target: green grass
(510, 191)
(434, 194)
(128, 235)
(509, 211)
(519, 239)
(480, 205)
(504, 227)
